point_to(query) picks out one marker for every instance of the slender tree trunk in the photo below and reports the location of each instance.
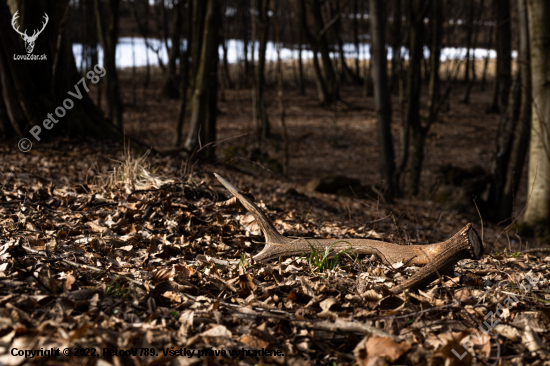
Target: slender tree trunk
(170, 88)
(244, 27)
(396, 45)
(162, 24)
(323, 47)
(184, 72)
(538, 206)
(356, 39)
(434, 96)
(504, 57)
(412, 114)
(382, 96)
(326, 83)
(202, 124)
(486, 63)
(301, 81)
(505, 138)
(143, 29)
(107, 26)
(226, 74)
(466, 99)
(521, 140)
(469, 35)
(282, 113)
(262, 122)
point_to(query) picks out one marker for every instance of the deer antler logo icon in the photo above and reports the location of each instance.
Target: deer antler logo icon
(29, 40)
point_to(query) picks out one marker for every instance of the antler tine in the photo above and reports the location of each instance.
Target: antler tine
(46, 21)
(43, 26)
(15, 16)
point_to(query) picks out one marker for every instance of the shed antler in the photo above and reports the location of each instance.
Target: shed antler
(437, 258)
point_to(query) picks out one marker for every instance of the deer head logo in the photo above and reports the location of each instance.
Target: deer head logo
(29, 40)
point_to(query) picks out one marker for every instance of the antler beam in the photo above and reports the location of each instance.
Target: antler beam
(437, 258)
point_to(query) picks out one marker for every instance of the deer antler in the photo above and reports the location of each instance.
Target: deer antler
(438, 258)
(36, 33)
(43, 24)
(15, 16)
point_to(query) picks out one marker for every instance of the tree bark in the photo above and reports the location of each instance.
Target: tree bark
(184, 72)
(504, 56)
(466, 99)
(171, 88)
(521, 140)
(282, 113)
(245, 23)
(505, 139)
(538, 206)
(382, 97)
(202, 124)
(301, 80)
(469, 35)
(412, 114)
(107, 26)
(326, 84)
(262, 121)
(396, 45)
(486, 63)
(356, 40)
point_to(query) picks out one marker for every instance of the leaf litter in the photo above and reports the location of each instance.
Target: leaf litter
(131, 257)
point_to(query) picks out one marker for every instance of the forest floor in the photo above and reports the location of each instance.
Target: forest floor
(103, 251)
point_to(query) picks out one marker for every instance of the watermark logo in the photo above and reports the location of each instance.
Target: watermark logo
(29, 40)
(509, 302)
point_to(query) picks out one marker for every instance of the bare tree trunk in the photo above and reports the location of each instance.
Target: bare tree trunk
(469, 34)
(280, 91)
(345, 73)
(538, 206)
(521, 140)
(245, 23)
(107, 26)
(396, 45)
(143, 29)
(326, 83)
(504, 57)
(262, 122)
(301, 81)
(466, 99)
(486, 63)
(162, 24)
(202, 124)
(356, 40)
(382, 97)
(184, 72)
(505, 138)
(228, 83)
(170, 88)
(412, 114)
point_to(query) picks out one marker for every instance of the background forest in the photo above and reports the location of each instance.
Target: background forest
(397, 120)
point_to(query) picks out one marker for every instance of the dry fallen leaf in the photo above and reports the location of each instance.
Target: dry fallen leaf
(373, 347)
